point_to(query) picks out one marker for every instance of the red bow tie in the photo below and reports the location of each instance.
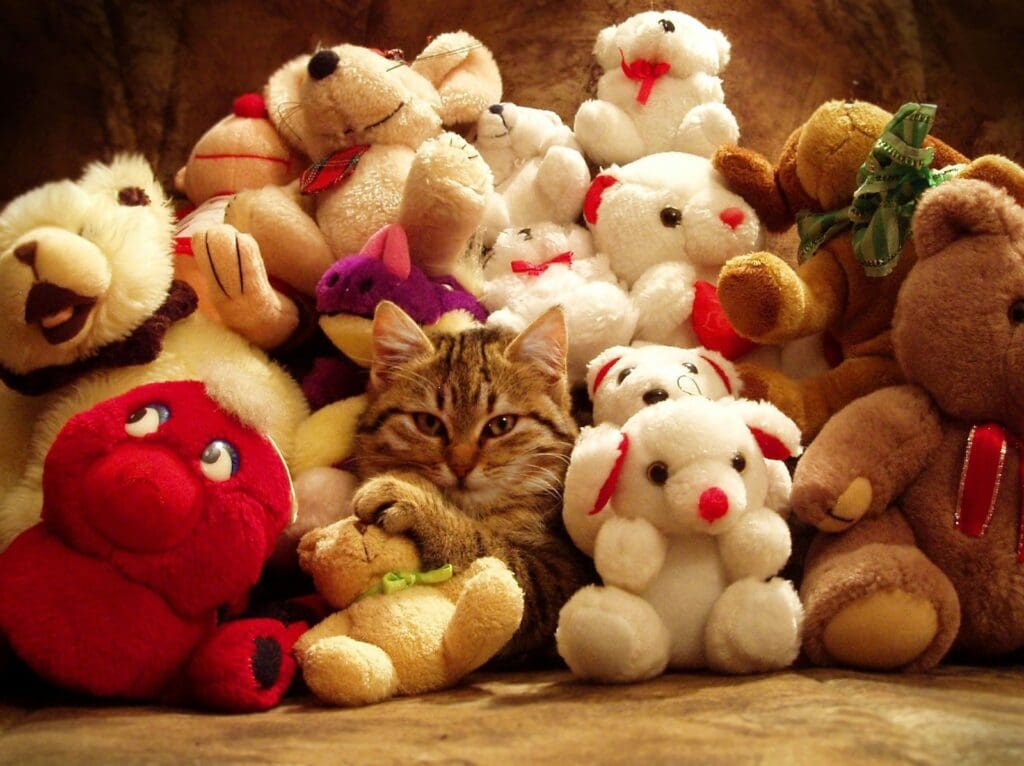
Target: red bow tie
(645, 72)
(332, 169)
(980, 479)
(536, 269)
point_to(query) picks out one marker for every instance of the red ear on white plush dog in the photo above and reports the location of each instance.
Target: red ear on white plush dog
(776, 435)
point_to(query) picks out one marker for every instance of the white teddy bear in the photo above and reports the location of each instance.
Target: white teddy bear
(659, 91)
(530, 270)
(667, 223)
(539, 172)
(671, 508)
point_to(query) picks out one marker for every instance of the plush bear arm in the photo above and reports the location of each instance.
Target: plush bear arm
(607, 134)
(752, 176)
(865, 457)
(757, 546)
(663, 296)
(628, 553)
(562, 180)
(465, 74)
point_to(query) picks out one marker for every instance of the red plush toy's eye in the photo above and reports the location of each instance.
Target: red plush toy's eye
(219, 461)
(146, 420)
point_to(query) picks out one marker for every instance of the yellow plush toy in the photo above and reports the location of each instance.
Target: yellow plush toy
(401, 630)
(89, 309)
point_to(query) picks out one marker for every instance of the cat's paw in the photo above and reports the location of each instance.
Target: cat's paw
(389, 502)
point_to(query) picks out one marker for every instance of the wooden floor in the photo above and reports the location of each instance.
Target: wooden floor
(955, 715)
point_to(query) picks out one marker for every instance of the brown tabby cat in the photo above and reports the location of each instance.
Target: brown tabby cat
(464, 446)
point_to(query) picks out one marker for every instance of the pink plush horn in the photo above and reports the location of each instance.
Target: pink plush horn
(608, 488)
(390, 245)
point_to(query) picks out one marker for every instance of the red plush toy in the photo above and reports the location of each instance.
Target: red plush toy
(159, 511)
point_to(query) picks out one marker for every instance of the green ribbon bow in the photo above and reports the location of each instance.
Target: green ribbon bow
(397, 580)
(897, 172)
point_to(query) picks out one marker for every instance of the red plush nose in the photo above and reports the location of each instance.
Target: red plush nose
(713, 504)
(732, 217)
(141, 497)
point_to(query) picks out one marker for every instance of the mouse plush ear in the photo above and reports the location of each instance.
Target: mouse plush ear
(776, 435)
(605, 50)
(595, 466)
(282, 102)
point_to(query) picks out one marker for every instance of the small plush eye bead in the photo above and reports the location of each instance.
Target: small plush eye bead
(526, 234)
(655, 395)
(657, 472)
(623, 375)
(739, 462)
(667, 25)
(1016, 312)
(690, 367)
(146, 420)
(219, 461)
(671, 217)
(428, 424)
(500, 425)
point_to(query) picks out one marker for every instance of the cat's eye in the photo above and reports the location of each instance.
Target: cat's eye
(219, 460)
(739, 462)
(657, 472)
(428, 424)
(623, 375)
(671, 217)
(146, 420)
(690, 367)
(1016, 312)
(500, 425)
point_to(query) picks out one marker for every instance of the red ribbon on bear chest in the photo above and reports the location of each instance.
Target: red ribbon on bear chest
(980, 479)
(332, 169)
(536, 269)
(645, 72)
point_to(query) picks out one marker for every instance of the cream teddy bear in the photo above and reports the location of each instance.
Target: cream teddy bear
(667, 223)
(529, 270)
(539, 172)
(660, 90)
(89, 309)
(671, 507)
(400, 630)
(373, 126)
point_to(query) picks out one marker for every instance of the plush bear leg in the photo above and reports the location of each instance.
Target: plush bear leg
(341, 670)
(607, 134)
(606, 634)
(705, 128)
(443, 202)
(487, 615)
(754, 626)
(812, 401)
(245, 665)
(873, 600)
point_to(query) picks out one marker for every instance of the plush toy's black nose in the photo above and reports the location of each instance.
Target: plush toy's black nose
(495, 109)
(322, 64)
(655, 395)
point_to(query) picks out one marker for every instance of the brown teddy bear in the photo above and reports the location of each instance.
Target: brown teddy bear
(373, 127)
(920, 484)
(768, 301)
(401, 630)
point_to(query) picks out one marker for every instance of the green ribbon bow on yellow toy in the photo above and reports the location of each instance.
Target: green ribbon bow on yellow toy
(897, 172)
(397, 580)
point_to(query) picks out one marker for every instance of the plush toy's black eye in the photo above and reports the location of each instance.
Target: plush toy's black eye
(655, 395)
(739, 462)
(657, 472)
(667, 25)
(690, 367)
(322, 64)
(671, 217)
(1016, 312)
(623, 375)
(526, 234)
(366, 285)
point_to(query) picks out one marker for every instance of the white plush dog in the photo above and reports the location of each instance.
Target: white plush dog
(539, 172)
(671, 507)
(534, 268)
(659, 92)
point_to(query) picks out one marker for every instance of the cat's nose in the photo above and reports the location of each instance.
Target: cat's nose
(462, 459)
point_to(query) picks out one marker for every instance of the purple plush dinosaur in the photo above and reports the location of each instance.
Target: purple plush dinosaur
(382, 270)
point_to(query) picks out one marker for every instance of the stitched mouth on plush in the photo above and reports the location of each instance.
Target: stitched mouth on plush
(60, 313)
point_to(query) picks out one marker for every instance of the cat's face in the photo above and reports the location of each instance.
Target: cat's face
(481, 414)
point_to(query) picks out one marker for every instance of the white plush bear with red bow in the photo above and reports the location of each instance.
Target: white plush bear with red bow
(672, 508)
(660, 90)
(539, 171)
(667, 223)
(529, 270)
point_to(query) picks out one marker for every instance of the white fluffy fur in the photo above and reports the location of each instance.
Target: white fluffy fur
(651, 544)
(685, 110)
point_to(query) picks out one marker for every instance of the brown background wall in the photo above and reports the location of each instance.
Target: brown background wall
(86, 77)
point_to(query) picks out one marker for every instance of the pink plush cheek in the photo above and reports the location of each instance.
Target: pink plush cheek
(713, 504)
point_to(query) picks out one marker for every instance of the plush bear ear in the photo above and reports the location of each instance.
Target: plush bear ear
(397, 339)
(599, 367)
(723, 46)
(776, 435)
(957, 209)
(282, 101)
(998, 171)
(605, 50)
(752, 176)
(594, 469)
(543, 345)
(391, 246)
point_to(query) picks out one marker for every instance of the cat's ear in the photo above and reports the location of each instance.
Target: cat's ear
(543, 344)
(397, 339)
